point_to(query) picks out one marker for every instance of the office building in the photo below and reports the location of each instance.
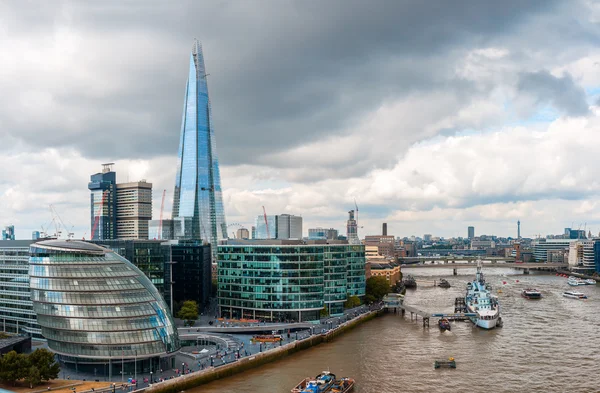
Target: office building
(288, 280)
(242, 233)
(103, 204)
(322, 234)
(427, 237)
(99, 312)
(158, 230)
(574, 233)
(35, 235)
(8, 233)
(383, 244)
(146, 255)
(190, 263)
(16, 310)
(281, 226)
(542, 246)
(471, 233)
(198, 202)
(387, 269)
(384, 229)
(477, 244)
(134, 210)
(352, 229)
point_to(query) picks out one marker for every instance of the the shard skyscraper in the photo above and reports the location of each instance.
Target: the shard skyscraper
(198, 202)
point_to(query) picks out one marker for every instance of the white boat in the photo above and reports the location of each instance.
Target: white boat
(480, 301)
(531, 293)
(574, 281)
(574, 295)
(590, 281)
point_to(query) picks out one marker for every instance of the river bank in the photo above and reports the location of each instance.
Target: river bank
(198, 378)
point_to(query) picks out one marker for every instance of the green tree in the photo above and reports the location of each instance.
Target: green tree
(13, 366)
(213, 288)
(33, 377)
(353, 301)
(377, 288)
(324, 312)
(189, 312)
(43, 360)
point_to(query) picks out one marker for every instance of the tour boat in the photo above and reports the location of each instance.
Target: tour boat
(590, 281)
(574, 281)
(479, 300)
(575, 295)
(530, 293)
(324, 383)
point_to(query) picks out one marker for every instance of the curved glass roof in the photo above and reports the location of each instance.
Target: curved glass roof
(71, 245)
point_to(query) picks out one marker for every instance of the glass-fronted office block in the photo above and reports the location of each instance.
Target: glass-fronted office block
(288, 281)
(335, 275)
(272, 282)
(16, 310)
(198, 203)
(356, 280)
(95, 307)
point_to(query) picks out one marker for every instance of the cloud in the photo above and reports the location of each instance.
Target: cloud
(409, 107)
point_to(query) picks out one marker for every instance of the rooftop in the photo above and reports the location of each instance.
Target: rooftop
(71, 245)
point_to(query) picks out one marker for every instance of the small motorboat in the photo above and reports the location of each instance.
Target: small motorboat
(409, 282)
(324, 383)
(444, 283)
(450, 363)
(531, 293)
(444, 324)
(574, 281)
(590, 281)
(575, 295)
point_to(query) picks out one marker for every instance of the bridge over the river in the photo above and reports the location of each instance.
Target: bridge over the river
(469, 265)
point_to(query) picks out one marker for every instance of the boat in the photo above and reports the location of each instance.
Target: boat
(444, 324)
(575, 295)
(450, 363)
(409, 282)
(444, 283)
(325, 382)
(480, 301)
(574, 281)
(267, 338)
(590, 281)
(531, 293)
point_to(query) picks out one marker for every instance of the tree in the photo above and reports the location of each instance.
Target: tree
(13, 366)
(33, 376)
(189, 312)
(43, 360)
(377, 288)
(353, 301)
(324, 312)
(213, 288)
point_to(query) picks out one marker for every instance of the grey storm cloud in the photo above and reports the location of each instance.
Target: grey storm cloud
(561, 92)
(283, 73)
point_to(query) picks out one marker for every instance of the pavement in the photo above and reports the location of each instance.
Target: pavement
(237, 346)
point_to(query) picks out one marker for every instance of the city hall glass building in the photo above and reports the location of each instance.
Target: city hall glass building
(198, 202)
(98, 311)
(287, 280)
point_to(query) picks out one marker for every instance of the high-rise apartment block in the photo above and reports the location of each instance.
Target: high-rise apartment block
(281, 226)
(119, 211)
(352, 229)
(242, 233)
(134, 210)
(471, 232)
(103, 204)
(198, 202)
(8, 233)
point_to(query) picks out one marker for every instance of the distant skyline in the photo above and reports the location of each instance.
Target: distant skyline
(432, 118)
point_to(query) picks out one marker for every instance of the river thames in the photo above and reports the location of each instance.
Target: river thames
(548, 345)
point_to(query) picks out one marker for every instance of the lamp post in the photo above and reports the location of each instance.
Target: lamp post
(151, 380)
(182, 368)
(135, 367)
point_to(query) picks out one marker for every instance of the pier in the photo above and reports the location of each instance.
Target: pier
(395, 302)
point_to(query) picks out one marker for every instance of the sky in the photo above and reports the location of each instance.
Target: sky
(432, 116)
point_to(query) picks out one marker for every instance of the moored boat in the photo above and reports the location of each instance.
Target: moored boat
(531, 293)
(575, 295)
(590, 281)
(444, 283)
(409, 282)
(325, 382)
(480, 301)
(444, 324)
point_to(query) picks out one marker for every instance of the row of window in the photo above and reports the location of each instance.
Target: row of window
(92, 298)
(137, 310)
(105, 338)
(271, 305)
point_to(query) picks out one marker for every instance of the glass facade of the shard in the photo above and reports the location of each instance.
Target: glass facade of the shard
(198, 201)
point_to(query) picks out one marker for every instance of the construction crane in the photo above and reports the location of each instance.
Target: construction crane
(266, 223)
(162, 207)
(97, 217)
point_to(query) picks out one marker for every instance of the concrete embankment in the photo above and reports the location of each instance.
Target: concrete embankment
(198, 378)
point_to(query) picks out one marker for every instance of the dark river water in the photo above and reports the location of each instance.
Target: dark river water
(548, 345)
